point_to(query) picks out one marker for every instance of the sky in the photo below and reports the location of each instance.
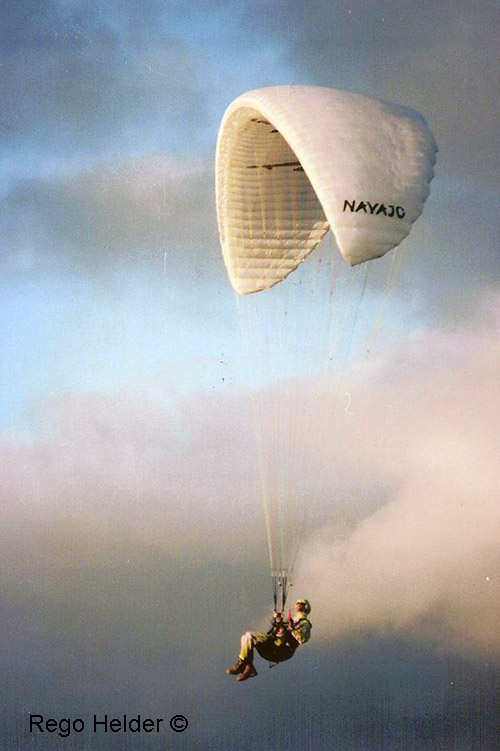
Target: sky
(134, 549)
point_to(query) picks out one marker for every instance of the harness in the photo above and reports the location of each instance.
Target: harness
(277, 653)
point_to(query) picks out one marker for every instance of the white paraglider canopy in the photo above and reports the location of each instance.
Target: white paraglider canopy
(294, 161)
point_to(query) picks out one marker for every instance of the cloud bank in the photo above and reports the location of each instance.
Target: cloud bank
(137, 210)
(424, 431)
(405, 480)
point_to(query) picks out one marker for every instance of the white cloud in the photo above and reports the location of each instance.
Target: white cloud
(406, 483)
(427, 559)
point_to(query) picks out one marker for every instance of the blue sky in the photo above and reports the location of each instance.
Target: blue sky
(103, 92)
(89, 89)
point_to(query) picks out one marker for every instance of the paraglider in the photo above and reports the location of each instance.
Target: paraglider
(293, 162)
(275, 645)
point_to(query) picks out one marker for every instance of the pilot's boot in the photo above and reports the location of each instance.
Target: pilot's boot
(238, 667)
(248, 672)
